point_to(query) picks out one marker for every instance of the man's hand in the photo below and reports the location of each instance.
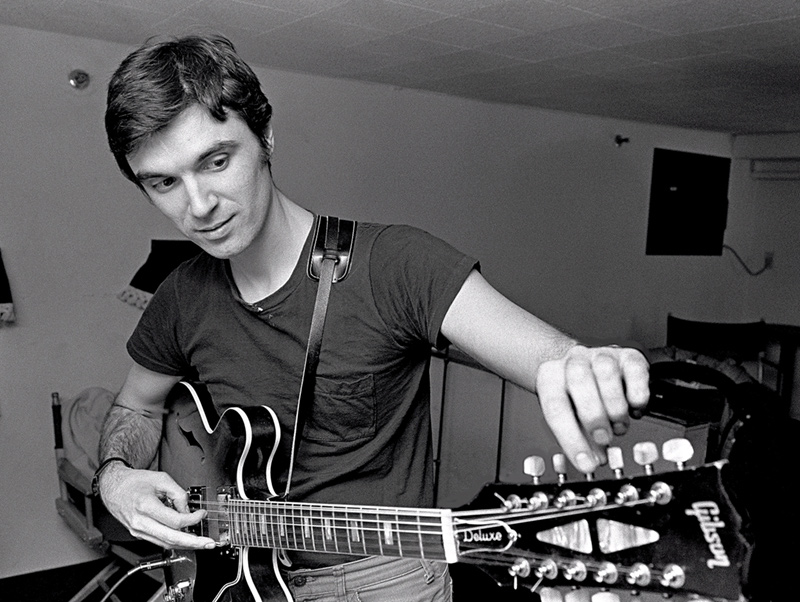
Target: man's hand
(152, 506)
(587, 395)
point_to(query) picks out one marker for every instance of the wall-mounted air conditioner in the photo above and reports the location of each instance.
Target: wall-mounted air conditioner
(775, 169)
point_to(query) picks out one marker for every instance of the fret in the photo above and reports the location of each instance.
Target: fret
(276, 526)
(419, 536)
(263, 536)
(399, 535)
(363, 533)
(293, 526)
(321, 526)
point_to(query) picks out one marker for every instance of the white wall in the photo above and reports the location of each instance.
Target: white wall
(555, 211)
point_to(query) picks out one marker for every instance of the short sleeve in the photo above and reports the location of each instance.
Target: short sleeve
(415, 276)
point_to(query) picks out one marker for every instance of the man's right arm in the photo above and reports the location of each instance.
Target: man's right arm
(151, 505)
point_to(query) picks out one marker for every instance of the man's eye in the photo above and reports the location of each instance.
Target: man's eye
(164, 185)
(217, 163)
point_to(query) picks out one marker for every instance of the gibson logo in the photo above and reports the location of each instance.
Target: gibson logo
(707, 514)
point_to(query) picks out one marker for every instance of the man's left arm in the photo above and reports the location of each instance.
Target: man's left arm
(585, 393)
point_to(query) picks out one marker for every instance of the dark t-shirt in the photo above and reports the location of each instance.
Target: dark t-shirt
(367, 436)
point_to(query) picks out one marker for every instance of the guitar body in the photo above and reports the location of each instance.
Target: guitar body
(233, 453)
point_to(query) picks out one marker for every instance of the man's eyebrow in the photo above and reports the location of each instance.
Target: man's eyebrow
(217, 147)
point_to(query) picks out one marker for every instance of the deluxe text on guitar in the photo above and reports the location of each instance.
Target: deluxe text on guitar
(673, 533)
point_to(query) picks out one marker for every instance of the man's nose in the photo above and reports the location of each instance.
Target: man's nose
(202, 199)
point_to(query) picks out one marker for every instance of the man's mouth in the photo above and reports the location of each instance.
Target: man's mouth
(215, 228)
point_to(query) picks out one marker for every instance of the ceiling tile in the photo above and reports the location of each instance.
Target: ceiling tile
(385, 16)
(465, 33)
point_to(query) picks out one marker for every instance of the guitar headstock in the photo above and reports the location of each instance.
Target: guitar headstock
(670, 533)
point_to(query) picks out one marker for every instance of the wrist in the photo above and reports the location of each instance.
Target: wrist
(102, 468)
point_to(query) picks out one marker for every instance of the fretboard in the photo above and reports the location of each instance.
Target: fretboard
(334, 529)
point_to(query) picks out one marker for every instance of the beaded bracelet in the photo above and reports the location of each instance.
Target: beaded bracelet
(101, 468)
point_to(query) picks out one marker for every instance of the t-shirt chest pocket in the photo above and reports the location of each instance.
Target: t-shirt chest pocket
(343, 410)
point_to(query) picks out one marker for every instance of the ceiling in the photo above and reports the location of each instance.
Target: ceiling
(722, 65)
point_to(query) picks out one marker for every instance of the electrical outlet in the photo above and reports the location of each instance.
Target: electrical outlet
(769, 259)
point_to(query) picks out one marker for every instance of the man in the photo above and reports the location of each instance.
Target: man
(189, 125)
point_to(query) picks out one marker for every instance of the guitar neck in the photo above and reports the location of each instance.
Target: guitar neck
(333, 529)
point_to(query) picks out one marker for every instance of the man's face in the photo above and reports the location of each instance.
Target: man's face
(209, 178)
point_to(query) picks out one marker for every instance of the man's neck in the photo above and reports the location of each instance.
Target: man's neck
(267, 264)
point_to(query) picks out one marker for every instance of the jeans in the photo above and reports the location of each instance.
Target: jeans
(373, 579)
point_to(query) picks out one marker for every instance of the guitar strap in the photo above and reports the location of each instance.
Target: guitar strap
(329, 263)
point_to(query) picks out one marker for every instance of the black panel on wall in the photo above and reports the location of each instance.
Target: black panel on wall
(688, 203)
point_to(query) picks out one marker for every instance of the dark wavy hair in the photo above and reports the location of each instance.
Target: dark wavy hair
(157, 82)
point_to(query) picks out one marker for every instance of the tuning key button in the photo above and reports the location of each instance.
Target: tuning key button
(673, 576)
(615, 461)
(639, 575)
(678, 450)
(645, 454)
(578, 595)
(607, 573)
(605, 597)
(534, 467)
(550, 594)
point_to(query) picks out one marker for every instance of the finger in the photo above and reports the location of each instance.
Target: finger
(583, 390)
(155, 532)
(560, 417)
(636, 375)
(608, 377)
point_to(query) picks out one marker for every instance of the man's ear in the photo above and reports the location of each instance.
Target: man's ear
(269, 139)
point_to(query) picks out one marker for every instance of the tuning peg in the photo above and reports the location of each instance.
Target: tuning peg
(578, 595)
(560, 466)
(615, 461)
(645, 454)
(605, 597)
(534, 467)
(678, 450)
(550, 594)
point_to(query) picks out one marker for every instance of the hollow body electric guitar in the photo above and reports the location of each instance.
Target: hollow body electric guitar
(672, 533)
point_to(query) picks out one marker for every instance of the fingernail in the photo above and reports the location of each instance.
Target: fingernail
(601, 436)
(211, 546)
(635, 413)
(584, 462)
(619, 428)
